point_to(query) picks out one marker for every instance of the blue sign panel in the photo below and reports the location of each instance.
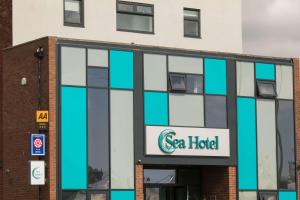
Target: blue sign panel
(38, 144)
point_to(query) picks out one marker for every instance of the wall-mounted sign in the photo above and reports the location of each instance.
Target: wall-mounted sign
(37, 172)
(42, 119)
(38, 144)
(181, 141)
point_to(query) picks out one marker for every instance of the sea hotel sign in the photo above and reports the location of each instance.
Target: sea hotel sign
(181, 141)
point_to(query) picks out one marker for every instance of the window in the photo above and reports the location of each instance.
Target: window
(268, 196)
(73, 12)
(191, 23)
(135, 17)
(160, 176)
(194, 84)
(177, 82)
(266, 89)
(188, 83)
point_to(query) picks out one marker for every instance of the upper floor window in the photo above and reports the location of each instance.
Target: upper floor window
(191, 23)
(73, 12)
(135, 17)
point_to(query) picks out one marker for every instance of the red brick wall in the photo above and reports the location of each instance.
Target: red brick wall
(297, 113)
(19, 106)
(5, 41)
(139, 183)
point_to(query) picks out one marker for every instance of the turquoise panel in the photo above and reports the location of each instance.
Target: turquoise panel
(156, 108)
(265, 71)
(122, 195)
(215, 76)
(287, 196)
(247, 170)
(73, 138)
(121, 69)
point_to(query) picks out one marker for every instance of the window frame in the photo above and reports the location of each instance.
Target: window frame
(185, 75)
(135, 14)
(198, 20)
(273, 83)
(81, 10)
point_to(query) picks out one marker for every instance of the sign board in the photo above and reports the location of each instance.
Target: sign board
(42, 116)
(181, 141)
(42, 126)
(38, 144)
(37, 172)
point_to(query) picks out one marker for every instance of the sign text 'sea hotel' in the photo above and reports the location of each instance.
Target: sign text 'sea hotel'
(143, 100)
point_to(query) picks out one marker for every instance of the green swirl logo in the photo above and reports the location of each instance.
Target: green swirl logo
(165, 141)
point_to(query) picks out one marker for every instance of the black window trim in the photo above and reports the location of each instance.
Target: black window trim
(79, 25)
(273, 83)
(137, 14)
(192, 20)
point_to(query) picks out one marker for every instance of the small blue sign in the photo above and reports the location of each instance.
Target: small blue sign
(38, 144)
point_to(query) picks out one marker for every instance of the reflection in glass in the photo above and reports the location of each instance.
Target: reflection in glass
(268, 196)
(177, 82)
(159, 176)
(215, 111)
(285, 145)
(152, 194)
(73, 195)
(97, 77)
(194, 84)
(98, 154)
(98, 196)
(134, 22)
(266, 89)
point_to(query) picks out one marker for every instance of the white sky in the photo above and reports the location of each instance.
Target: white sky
(271, 27)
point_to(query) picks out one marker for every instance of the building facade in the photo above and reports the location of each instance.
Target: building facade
(144, 109)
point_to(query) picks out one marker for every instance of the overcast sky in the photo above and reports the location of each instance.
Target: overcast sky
(271, 27)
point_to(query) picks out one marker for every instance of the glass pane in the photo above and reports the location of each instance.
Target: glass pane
(72, 11)
(284, 82)
(122, 151)
(266, 89)
(191, 28)
(97, 77)
(144, 9)
(155, 68)
(191, 14)
(194, 84)
(73, 195)
(134, 22)
(266, 144)
(177, 82)
(97, 58)
(152, 194)
(268, 196)
(286, 145)
(98, 197)
(98, 149)
(159, 176)
(215, 111)
(125, 7)
(189, 176)
(245, 78)
(182, 64)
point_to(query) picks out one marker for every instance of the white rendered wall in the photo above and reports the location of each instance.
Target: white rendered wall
(220, 23)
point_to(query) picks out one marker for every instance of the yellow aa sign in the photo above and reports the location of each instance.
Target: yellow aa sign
(42, 116)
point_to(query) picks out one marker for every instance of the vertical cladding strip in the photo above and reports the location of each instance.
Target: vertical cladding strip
(121, 126)
(247, 144)
(266, 144)
(73, 125)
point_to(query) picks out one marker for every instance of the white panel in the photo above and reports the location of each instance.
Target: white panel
(185, 65)
(284, 82)
(155, 72)
(186, 110)
(247, 195)
(121, 124)
(97, 58)
(245, 79)
(266, 145)
(73, 66)
(168, 22)
(193, 141)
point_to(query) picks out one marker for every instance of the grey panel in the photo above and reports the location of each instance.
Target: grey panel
(186, 110)
(284, 82)
(155, 72)
(245, 79)
(185, 65)
(266, 145)
(73, 66)
(121, 124)
(249, 195)
(97, 58)
(215, 111)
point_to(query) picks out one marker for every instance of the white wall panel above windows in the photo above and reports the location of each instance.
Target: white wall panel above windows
(73, 66)
(185, 65)
(266, 145)
(186, 110)
(245, 79)
(155, 72)
(284, 82)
